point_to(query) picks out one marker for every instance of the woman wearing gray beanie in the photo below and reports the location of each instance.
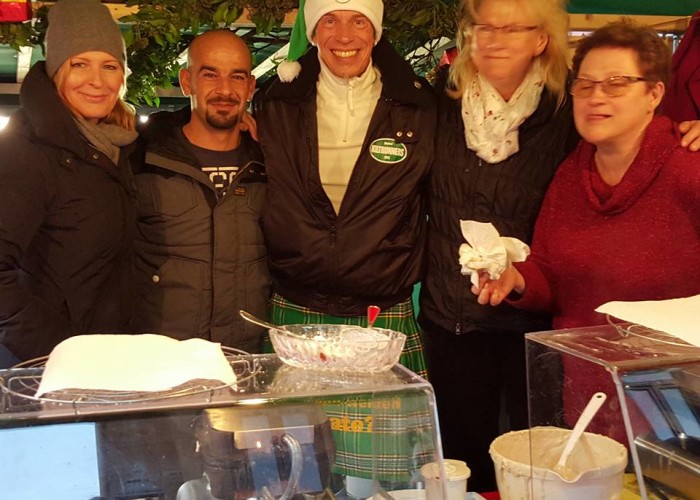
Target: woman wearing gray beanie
(67, 199)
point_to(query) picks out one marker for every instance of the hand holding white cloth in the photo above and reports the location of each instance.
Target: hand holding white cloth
(135, 363)
(488, 251)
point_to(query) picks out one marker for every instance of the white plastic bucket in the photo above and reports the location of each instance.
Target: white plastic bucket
(596, 466)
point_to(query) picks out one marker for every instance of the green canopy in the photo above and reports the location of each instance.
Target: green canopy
(635, 7)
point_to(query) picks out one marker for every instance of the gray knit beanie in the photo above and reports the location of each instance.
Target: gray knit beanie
(77, 26)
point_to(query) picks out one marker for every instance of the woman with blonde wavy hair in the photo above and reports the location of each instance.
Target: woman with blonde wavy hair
(553, 23)
(505, 124)
(67, 196)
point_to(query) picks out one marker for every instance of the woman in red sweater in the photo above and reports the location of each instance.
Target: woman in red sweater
(621, 219)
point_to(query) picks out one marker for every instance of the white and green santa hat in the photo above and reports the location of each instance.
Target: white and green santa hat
(310, 11)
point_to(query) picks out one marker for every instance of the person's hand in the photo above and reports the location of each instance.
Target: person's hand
(249, 124)
(691, 134)
(495, 291)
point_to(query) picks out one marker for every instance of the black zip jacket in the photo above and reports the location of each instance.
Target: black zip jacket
(507, 194)
(200, 256)
(372, 251)
(67, 224)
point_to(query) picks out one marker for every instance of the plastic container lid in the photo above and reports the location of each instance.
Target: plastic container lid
(456, 470)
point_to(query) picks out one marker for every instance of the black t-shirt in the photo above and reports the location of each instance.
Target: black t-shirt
(220, 166)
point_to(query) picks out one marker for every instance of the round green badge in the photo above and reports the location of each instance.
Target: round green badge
(388, 151)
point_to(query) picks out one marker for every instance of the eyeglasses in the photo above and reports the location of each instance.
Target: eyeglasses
(513, 30)
(615, 86)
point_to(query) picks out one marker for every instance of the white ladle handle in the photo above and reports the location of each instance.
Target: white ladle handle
(581, 424)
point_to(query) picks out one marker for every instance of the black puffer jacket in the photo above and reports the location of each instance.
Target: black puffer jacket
(371, 252)
(200, 257)
(67, 223)
(507, 194)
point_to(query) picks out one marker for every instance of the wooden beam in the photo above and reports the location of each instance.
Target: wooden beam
(587, 22)
(578, 22)
(120, 10)
(117, 9)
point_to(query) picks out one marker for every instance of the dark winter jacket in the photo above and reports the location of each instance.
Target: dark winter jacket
(682, 98)
(507, 194)
(371, 252)
(200, 257)
(67, 223)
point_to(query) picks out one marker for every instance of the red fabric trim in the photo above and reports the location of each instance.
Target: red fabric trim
(490, 496)
(448, 57)
(14, 12)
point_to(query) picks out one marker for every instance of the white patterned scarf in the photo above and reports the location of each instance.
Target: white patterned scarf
(490, 123)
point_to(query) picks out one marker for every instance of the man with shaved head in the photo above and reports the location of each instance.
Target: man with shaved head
(201, 255)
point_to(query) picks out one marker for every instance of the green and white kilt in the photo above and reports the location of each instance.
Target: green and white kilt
(381, 436)
(377, 436)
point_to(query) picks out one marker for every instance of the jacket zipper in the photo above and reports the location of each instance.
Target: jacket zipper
(242, 172)
(332, 235)
(460, 312)
(373, 124)
(462, 299)
(235, 182)
(332, 229)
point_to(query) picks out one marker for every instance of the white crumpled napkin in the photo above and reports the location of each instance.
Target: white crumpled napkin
(488, 251)
(136, 363)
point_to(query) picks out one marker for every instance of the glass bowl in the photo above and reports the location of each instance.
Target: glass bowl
(339, 348)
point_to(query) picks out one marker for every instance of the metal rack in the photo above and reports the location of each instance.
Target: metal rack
(645, 333)
(19, 385)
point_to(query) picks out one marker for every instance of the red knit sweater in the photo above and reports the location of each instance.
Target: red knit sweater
(639, 240)
(593, 243)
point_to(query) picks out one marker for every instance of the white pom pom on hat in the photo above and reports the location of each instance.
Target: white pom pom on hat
(288, 70)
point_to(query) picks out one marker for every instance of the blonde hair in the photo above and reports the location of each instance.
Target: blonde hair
(122, 114)
(550, 16)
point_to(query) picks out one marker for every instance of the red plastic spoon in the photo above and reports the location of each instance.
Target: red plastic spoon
(372, 313)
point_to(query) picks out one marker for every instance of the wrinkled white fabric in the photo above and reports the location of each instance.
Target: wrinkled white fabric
(132, 363)
(678, 317)
(490, 123)
(488, 251)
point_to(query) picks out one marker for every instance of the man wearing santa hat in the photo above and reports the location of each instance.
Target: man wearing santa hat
(347, 133)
